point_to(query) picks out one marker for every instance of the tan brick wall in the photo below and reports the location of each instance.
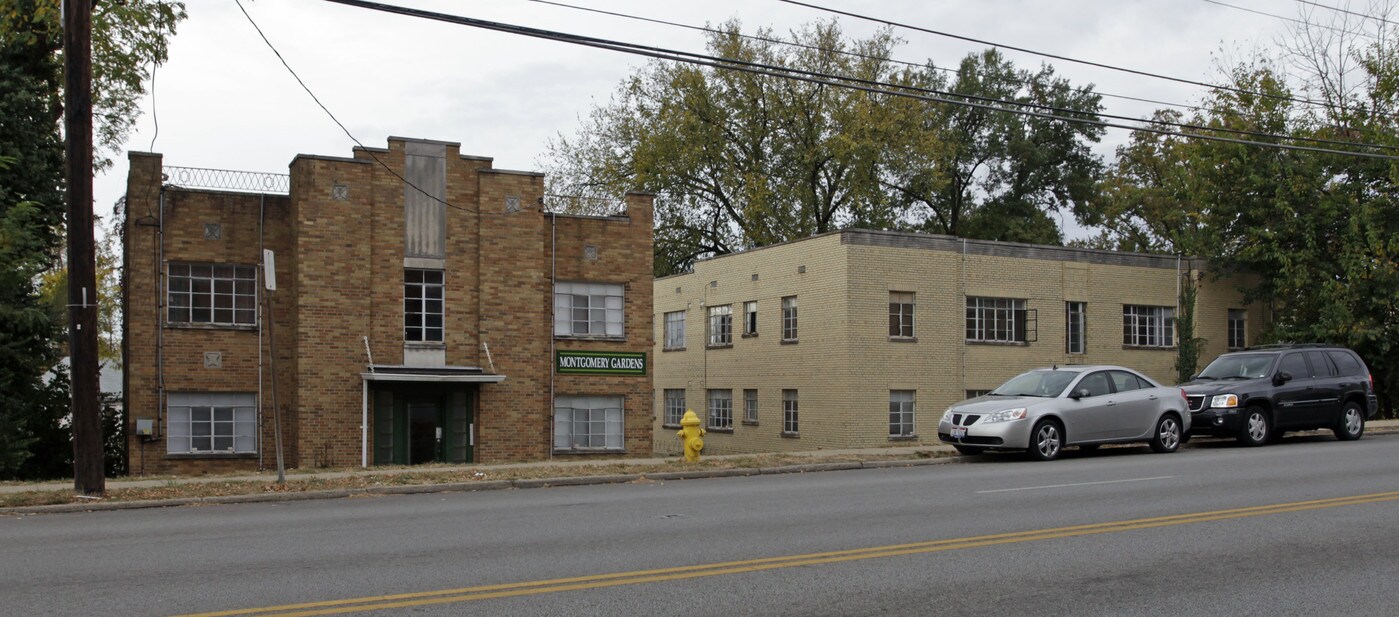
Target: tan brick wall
(844, 377)
(340, 279)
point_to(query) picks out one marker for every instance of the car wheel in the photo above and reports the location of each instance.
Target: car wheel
(1166, 437)
(1352, 423)
(1046, 441)
(1257, 427)
(969, 450)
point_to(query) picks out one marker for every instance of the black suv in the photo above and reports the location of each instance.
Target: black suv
(1259, 393)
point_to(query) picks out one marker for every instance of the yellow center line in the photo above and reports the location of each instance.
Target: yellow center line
(506, 590)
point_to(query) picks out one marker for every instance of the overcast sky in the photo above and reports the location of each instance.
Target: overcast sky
(224, 100)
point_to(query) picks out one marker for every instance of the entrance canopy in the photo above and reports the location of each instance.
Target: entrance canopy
(444, 374)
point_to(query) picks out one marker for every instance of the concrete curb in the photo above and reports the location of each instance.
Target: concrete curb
(464, 487)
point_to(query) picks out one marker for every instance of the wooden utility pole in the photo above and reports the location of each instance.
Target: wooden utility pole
(88, 476)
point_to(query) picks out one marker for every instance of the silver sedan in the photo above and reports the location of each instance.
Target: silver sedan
(1044, 410)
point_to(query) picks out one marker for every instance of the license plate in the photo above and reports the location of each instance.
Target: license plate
(959, 432)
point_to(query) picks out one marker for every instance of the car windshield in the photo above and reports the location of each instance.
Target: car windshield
(1037, 383)
(1238, 366)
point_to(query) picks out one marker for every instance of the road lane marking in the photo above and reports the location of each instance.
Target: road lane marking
(1036, 488)
(507, 590)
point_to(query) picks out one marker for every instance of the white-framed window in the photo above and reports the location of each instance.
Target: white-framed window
(750, 318)
(901, 404)
(588, 309)
(997, 320)
(422, 305)
(1148, 326)
(1238, 328)
(1075, 327)
(675, 330)
(789, 318)
(750, 406)
(588, 423)
(721, 325)
(721, 409)
(674, 406)
(789, 412)
(901, 314)
(211, 422)
(216, 294)
(976, 393)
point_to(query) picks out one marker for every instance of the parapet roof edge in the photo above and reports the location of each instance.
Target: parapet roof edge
(513, 172)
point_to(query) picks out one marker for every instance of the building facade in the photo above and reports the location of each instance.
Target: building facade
(863, 338)
(421, 307)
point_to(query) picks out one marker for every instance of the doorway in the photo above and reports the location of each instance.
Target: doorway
(423, 423)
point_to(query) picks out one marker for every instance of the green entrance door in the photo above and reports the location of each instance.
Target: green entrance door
(422, 423)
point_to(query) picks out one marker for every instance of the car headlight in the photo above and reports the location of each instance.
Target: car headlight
(1224, 401)
(946, 416)
(1005, 415)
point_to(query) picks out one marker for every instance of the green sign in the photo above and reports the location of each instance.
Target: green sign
(600, 363)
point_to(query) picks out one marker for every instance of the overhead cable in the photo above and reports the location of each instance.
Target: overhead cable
(1100, 65)
(804, 76)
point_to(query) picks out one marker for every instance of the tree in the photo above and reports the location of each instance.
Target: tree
(1320, 231)
(127, 37)
(739, 160)
(989, 174)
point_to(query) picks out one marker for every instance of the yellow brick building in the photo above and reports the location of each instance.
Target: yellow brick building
(862, 338)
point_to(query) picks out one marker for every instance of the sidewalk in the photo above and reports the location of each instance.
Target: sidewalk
(820, 460)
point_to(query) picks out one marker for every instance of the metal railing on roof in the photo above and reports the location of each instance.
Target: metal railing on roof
(227, 180)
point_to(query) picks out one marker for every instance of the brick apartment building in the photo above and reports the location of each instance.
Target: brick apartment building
(863, 338)
(425, 308)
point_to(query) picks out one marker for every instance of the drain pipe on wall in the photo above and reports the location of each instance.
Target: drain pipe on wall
(160, 316)
(261, 246)
(553, 317)
(364, 409)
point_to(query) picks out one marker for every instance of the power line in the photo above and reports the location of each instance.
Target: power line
(1285, 18)
(816, 48)
(945, 93)
(337, 120)
(1350, 12)
(786, 73)
(1059, 57)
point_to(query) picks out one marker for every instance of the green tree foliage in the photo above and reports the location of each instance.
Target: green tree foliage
(980, 173)
(1319, 231)
(128, 37)
(739, 160)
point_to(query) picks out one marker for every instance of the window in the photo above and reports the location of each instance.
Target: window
(1124, 381)
(789, 412)
(1346, 364)
(675, 330)
(422, 305)
(198, 423)
(1148, 326)
(789, 318)
(588, 423)
(1321, 367)
(996, 320)
(1076, 325)
(212, 294)
(750, 406)
(1295, 365)
(674, 407)
(750, 318)
(901, 404)
(721, 325)
(900, 314)
(1238, 326)
(1096, 384)
(721, 409)
(976, 393)
(588, 309)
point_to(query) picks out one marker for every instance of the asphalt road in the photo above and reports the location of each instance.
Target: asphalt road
(1307, 527)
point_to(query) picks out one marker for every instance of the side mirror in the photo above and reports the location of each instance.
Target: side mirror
(1193, 377)
(1282, 378)
(1078, 394)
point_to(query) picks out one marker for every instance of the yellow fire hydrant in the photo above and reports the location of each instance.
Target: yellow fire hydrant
(692, 435)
